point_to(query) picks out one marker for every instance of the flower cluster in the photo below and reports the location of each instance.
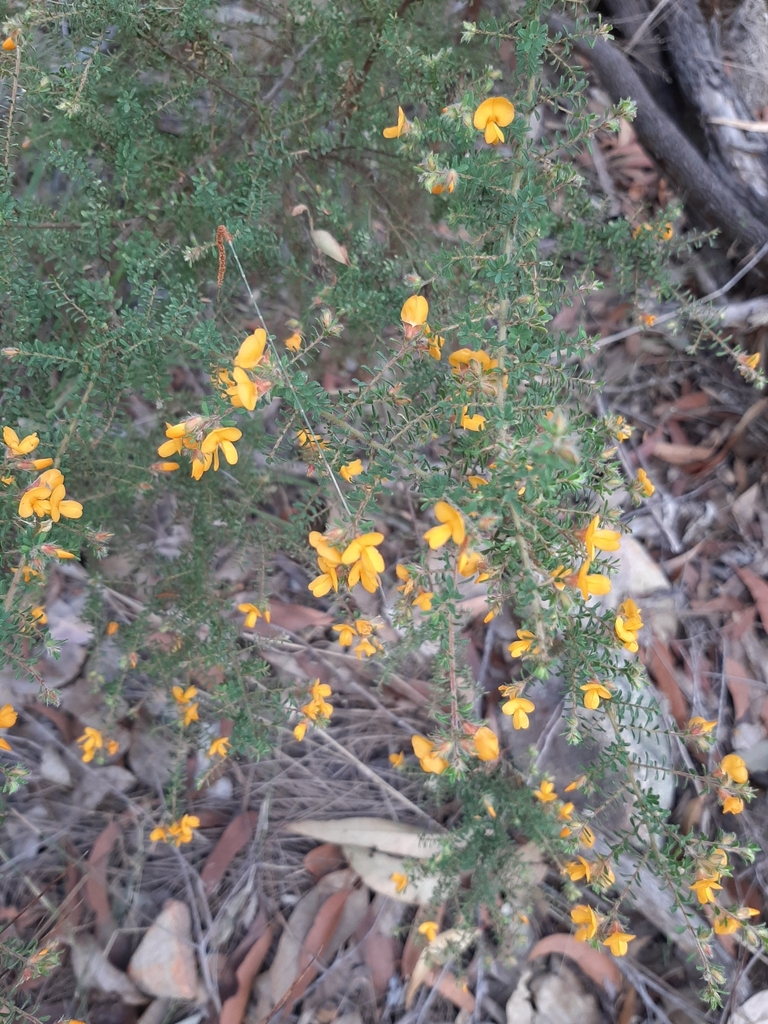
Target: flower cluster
(423, 598)
(588, 923)
(733, 769)
(244, 388)
(490, 117)
(628, 624)
(91, 741)
(362, 630)
(186, 703)
(8, 716)
(181, 831)
(430, 757)
(361, 557)
(197, 437)
(317, 710)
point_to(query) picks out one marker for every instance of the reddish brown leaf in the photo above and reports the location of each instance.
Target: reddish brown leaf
(681, 454)
(447, 986)
(740, 686)
(297, 616)
(235, 836)
(596, 965)
(96, 893)
(758, 588)
(316, 942)
(659, 663)
(323, 859)
(233, 1010)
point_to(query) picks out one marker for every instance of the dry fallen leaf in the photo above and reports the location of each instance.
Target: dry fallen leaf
(442, 948)
(322, 860)
(378, 833)
(96, 891)
(235, 836)
(233, 1009)
(377, 868)
(596, 965)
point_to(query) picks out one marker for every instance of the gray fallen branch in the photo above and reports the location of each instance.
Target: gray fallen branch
(708, 195)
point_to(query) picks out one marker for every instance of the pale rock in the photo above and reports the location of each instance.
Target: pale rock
(164, 964)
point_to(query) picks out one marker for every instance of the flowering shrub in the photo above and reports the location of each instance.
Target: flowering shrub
(124, 340)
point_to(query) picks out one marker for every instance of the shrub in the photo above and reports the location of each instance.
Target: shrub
(166, 179)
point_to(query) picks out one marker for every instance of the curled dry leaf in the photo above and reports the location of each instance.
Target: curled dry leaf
(233, 1009)
(377, 868)
(447, 944)
(328, 245)
(598, 966)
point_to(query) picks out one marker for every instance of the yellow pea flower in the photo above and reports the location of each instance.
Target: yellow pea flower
(578, 869)
(414, 316)
(429, 761)
(519, 708)
(300, 731)
(429, 930)
(158, 834)
(112, 747)
(347, 633)
(407, 584)
(293, 344)
(8, 45)
(221, 437)
(576, 784)
(486, 744)
(590, 583)
(452, 527)
(645, 484)
(354, 468)
(251, 351)
(318, 707)
(219, 747)
(546, 792)
(365, 647)
(699, 726)
(252, 614)
(8, 716)
(593, 691)
(402, 126)
(182, 830)
(19, 448)
(491, 116)
(112, 628)
(89, 743)
(464, 360)
(586, 919)
(628, 624)
(618, 941)
(182, 696)
(397, 760)
(705, 888)
(190, 714)
(733, 805)
(38, 614)
(476, 422)
(596, 539)
(477, 481)
(566, 812)
(734, 767)
(523, 644)
(424, 600)
(400, 880)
